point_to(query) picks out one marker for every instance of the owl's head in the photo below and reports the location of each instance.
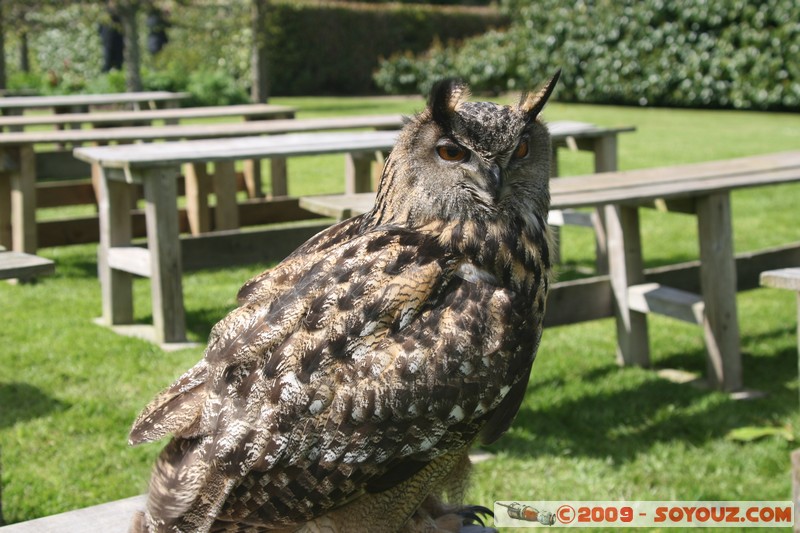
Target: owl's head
(469, 160)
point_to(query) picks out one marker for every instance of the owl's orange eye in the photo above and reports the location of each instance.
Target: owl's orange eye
(451, 152)
(522, 150)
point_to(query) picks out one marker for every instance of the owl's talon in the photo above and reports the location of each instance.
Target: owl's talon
(472, 514)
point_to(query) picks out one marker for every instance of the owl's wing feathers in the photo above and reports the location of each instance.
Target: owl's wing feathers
(174, 410)
(374, 356)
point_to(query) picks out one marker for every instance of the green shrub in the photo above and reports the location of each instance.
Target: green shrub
(110, 82)
(729, 53)
(214, 88)
(25, 81)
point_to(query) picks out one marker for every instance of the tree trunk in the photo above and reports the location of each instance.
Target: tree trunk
(259, 92)
(133, 56)
(24, 53)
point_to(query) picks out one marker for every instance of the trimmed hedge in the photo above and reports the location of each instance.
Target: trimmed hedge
(682, 53)
(334, 48)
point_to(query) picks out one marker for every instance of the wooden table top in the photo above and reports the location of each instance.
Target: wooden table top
(290, 144)
(623, 187)
(148, 115)
(33, 102)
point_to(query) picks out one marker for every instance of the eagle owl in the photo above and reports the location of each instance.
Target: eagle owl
(344, 392)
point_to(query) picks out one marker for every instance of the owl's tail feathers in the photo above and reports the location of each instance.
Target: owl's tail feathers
(187, 490)
(176, 410)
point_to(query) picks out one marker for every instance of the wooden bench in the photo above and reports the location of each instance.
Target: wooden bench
(18, 265)
(157, 168)
(172, 115)
(20, 166)
(701, 189)
(112, 517)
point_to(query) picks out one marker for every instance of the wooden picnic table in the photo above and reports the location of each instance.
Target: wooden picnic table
(157, 168)
(17, 105)
(148, 116)
(702, 189)
(20, 163)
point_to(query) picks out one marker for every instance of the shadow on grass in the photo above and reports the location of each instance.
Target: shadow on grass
(622, 423)
(760, 373)
(200, 321)
(21, 402)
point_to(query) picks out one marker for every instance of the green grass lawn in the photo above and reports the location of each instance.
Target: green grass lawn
(587, 430)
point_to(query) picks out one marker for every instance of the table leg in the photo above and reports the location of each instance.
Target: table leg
(278, 171)
(718, 284)
(358, 172)
(252, 178)
(23, 201)
(5, 210)
(798, 334)
(605, 160)
(226, 211)
(161, 212)
(555, 252)
(198, 187)
(626, 268)
(116, 286)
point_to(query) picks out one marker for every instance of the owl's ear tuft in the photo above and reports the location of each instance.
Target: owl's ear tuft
(533, 103)
(444, 99)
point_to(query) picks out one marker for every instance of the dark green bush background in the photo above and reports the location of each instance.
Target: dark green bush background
(682, 53)
(334, 48)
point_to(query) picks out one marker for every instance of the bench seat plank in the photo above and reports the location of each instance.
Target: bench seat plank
(15, 265)
(131, 259)
(784, 278)
(667, 301)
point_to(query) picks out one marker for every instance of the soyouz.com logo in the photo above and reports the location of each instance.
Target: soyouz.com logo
(736, 514)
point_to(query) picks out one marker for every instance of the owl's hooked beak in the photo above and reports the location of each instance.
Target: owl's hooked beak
(497, 177)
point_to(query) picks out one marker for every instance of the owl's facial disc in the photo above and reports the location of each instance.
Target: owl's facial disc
(486, 174)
